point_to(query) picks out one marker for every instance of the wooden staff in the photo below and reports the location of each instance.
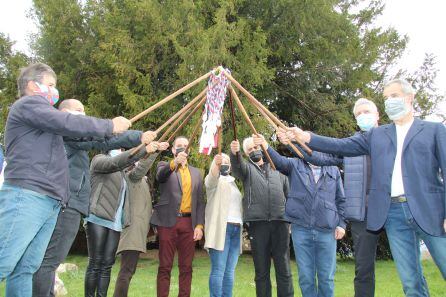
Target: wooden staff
(177, 117)
(170, 97)
(245, 114)
(220, 134)
(231, 105)
(186, 120)
(270, 114)
(276, 128)
(194, 133)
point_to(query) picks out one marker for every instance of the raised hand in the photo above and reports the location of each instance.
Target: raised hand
(298, 133)
(163, 146)
(235, 147)
(180, 159)
(218, 159)
(259, 140)
(152, 147)
(120, 124)
(147, 137)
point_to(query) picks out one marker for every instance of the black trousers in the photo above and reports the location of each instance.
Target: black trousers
(271, 239)
(60, 243)
(129, 260)
(364, 244)
(102, 245)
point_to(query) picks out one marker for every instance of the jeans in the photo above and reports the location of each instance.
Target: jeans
(129, 260)
(316, 257)
(364, 243)
(404, 238)
(27, 220)
(271, 239)
(61, 240)
(102, 245)
(223, 263)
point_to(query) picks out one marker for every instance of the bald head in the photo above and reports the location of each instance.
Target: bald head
(71, 105)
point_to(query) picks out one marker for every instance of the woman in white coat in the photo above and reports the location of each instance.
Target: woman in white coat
(223, 226)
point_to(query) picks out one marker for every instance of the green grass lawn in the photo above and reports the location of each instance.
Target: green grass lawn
(144, 281)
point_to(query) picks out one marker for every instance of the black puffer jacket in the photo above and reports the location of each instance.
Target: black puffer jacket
(264, 190)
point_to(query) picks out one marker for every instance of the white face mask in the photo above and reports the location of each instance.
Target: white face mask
(396, 107)
(75, 112)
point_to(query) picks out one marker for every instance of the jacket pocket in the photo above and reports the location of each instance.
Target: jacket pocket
(95, 198)
(327, 216)
(295, 208)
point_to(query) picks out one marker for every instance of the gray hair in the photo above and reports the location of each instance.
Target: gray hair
(405, 85)
(224, 156)
(33, 72)
(364, 101)
(246, 142)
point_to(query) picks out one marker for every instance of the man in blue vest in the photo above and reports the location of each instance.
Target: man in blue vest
(407, 188)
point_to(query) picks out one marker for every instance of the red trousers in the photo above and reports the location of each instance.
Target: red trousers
(179, 237)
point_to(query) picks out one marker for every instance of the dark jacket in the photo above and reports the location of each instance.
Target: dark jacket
(165, 211)
(265, 190)
(356, 180)
(79, 164)
(34, 144)
(313, 205)
(423, 167)
(107, 184)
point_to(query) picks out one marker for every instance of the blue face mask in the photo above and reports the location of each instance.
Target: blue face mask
(396, 108)
(366, 121)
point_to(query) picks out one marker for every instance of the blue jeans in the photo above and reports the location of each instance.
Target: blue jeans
(315, 256)
(223, 263)
(27, 220)
(404, 238)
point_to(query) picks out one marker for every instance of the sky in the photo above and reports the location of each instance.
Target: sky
(421, 21)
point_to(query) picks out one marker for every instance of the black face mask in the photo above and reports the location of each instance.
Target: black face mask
(224, 169)
(179, 150)
(256, 156)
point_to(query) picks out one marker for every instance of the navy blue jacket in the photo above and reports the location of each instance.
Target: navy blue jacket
(356, 180)
(35, 150)
(313, 205)
(423, 167)
(79, 164)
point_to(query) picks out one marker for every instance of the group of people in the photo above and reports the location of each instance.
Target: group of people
(393, 179)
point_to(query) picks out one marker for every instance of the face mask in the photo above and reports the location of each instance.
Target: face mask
(114, 153)
(366, 121)
(50, 93)
(224, 169)
(179, 150)
(396, 108)
(75, 112)
(256, 156)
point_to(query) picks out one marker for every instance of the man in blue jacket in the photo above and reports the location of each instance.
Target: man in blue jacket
(356, 182)
(36, 178)
(68, 220)
(407, 187)
(315, 207)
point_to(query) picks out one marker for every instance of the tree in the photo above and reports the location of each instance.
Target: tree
(10, 64)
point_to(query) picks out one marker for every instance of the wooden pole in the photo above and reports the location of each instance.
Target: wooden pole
(248, 121)
(293, 147)
(182, 111)
(186, 120)
(231, 105)
(270, 114)
(220, 134)
(194, 133)
(177, 117)
(170, 97)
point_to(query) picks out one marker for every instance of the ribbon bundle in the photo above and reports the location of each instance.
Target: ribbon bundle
(215, 99)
